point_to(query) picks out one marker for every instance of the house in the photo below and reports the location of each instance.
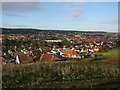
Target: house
(90, 49)
(54, 40)
(77, 49)
(96, 49)
(4, 61)
(98, 44)
(22, 58)
(102, 43)
(36, 54)
(54, 50)
(17, 60)
(49, 57)
(86, 45)
(83, 50)
(26, 52)
(10, 52)
(91, 44)
(69, 53)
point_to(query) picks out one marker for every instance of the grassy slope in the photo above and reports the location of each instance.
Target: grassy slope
(112, 56)
(66, 74)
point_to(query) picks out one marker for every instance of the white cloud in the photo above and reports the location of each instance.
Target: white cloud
(72, 3)
(74, 14)
(15, 8)
(10, 14)
(79, 19)
(75, 9)
(78, 9)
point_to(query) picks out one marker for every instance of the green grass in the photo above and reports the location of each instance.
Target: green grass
(114, 51)
(111, 57)
(85, 73)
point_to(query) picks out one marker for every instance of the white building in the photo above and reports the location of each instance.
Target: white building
(53, 40)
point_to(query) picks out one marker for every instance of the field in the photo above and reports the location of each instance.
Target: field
(112, 56)
(102, 71)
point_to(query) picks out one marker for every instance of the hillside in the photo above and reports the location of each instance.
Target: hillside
(30, 30)
(84, 73)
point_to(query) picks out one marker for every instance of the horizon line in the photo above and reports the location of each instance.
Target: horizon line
(61, 29)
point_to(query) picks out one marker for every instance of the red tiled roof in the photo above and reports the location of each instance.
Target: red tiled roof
(69, 52)
(55, 58)
(4, 60)
(100, 46)
(24, 61)
(76, 48)
(48, 57)
(96, 48)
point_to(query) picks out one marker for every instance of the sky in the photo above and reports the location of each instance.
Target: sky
(79, 16)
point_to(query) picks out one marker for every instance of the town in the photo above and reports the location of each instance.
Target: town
(59, 44)
(45, 45)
